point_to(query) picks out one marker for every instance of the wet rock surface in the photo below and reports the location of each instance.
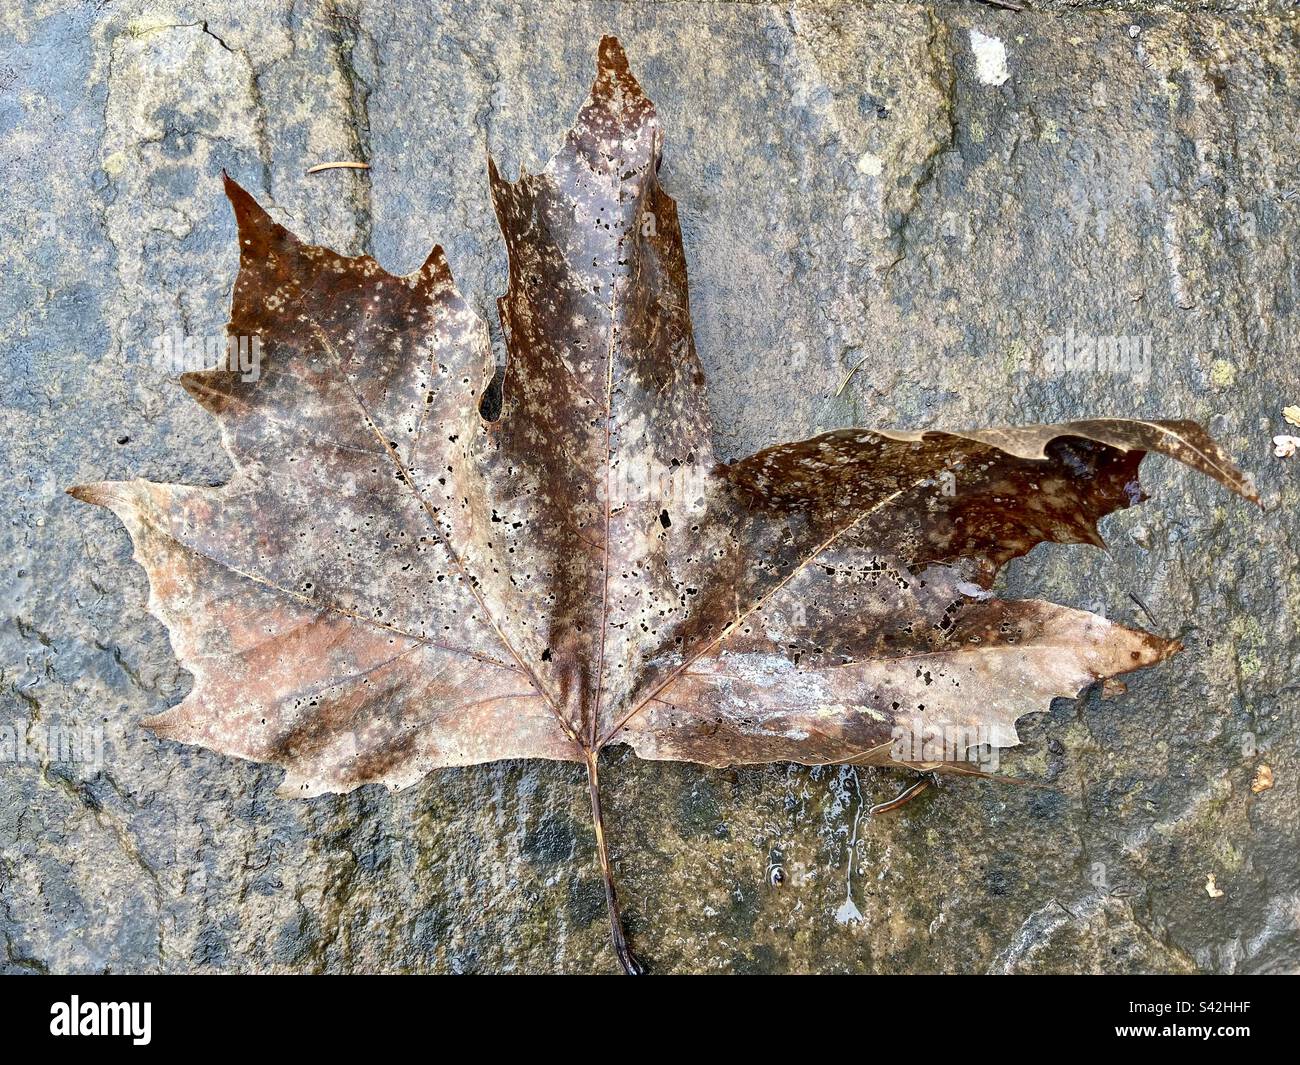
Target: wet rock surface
(928, 194)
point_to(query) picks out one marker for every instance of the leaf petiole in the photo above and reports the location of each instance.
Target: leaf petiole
(631, 964)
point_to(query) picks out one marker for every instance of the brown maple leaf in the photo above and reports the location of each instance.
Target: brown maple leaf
(420, 562)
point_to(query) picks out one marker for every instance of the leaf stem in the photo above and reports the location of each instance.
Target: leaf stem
(626, 958)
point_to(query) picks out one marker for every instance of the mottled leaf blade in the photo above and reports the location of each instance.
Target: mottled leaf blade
(413, 568)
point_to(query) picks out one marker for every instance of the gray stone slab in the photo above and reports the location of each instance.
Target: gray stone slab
(928, 194)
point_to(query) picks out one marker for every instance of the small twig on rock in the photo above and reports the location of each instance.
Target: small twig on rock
(845, 383)
(1145, 609)
(337, 166)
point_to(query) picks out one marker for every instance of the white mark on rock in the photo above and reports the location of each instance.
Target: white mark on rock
(848, 913)
(990, 58)
(871, 165)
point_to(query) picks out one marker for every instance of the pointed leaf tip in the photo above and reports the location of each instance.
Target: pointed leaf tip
(97, 493)
(611, 55)
(234, 190)
(435, 272)
(614, 74)
(435, 263)
(250, 215)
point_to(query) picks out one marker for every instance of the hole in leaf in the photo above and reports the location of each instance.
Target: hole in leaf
(489, 404)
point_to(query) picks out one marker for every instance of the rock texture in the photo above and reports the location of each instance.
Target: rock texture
(926, 194)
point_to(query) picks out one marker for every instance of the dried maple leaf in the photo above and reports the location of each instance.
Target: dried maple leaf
(420, 563)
